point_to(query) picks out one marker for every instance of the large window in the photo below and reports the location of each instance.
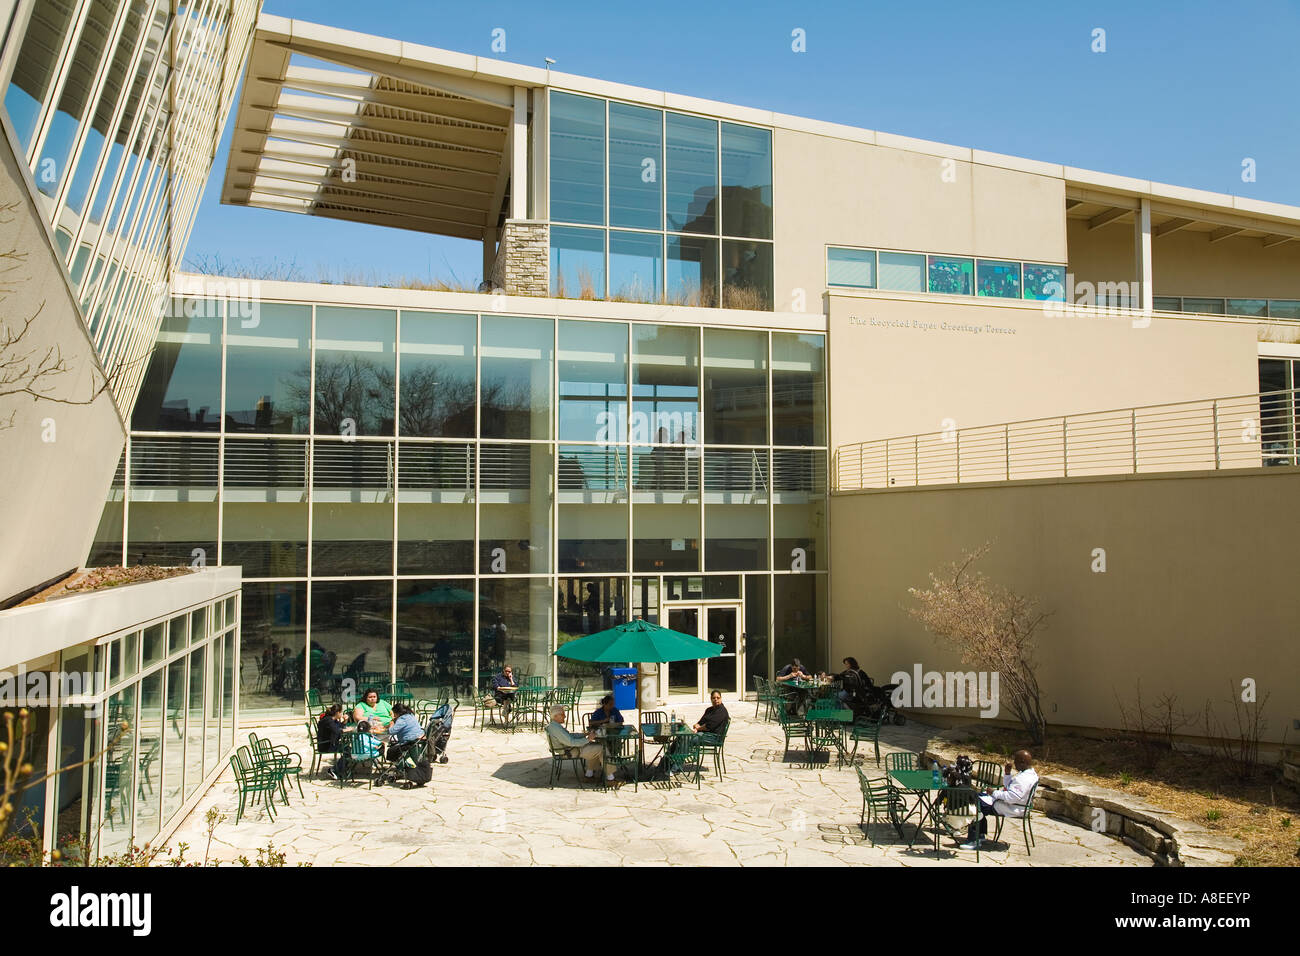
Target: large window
(635, 183)
(690, 198)
(577, 159)
(438, 358)
(355, 371)
(268, 369)
(516, 377)
(182, 388)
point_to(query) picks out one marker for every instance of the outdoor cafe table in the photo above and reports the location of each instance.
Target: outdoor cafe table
(835, 719)
(804, 690)
(921, 782)
(663, 735)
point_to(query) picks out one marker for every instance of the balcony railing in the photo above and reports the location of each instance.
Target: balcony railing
(1243, 431)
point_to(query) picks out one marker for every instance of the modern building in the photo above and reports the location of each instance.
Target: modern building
(701, 331)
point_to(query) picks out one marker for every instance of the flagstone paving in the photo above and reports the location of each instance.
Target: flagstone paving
(490, 806)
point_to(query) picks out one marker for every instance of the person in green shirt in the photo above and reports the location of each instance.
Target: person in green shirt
(378, 713)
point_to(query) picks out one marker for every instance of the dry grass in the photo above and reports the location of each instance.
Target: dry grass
(97, 579)
(1264, 813)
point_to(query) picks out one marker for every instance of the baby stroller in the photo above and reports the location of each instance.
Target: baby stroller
(438, 732)
(878, 703)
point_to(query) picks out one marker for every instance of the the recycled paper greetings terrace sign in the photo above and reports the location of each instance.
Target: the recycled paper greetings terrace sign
(917, 325)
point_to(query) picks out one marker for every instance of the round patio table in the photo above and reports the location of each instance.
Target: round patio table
(663, 735)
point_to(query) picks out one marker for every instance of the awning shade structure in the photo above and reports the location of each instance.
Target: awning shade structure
(331, 129)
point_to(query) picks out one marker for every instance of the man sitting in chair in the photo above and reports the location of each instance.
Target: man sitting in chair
(1008, 801)
(606, 715)
(715, 716)
(587, 747)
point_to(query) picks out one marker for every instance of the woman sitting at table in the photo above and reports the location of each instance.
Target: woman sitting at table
(607, 715)
(405, 727)
(329, 729)
(377, 713)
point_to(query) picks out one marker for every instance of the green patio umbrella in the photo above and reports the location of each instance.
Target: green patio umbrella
(638, 642)
(440, 596)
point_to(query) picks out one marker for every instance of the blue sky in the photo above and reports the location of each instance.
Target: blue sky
(1184, 92)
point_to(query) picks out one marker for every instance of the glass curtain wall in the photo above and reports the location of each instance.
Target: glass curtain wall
(117, 106)
(508, 477)
(152, 719)
(650, 205)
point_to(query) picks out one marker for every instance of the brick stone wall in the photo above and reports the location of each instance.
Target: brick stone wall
(522, 265)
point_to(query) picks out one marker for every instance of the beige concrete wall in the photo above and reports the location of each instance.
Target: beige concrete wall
(51, 491)
(831, 191)
(895, 370)
(1187, 263)
(1199, 591)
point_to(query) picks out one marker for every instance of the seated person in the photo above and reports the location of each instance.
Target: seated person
(792, 671)
(853, 680)
(587, 747)
(329, 729)
(405, 727)
(369, 742)
(378, 713)
(1007, 801)
(504, 698)
(607, 715)
(715, 716)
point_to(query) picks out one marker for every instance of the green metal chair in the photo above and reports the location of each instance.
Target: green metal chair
(1026, 827)
(865, 730)
(146, 762)
(624, 752)
(958, 802)
(881, 803)
(261, 784)
(360, 754)
(314, 704)
(289, 763)
(317, 755)
(559, 754)
(825, 735)
(683, 756)
(792, 727)
(712, 745)
(988, 773)
(902, 761)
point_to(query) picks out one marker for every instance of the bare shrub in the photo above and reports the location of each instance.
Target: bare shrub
(993, 629)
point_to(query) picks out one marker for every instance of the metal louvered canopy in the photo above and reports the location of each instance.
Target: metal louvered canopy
(334, 128)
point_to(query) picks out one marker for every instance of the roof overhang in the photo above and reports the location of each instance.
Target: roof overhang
(1099, 199)
(332, 123)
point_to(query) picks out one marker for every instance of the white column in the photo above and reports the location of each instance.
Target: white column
(519, 156)
(1142, 256)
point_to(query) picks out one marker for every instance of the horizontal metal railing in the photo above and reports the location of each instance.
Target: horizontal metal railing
(1242, 431)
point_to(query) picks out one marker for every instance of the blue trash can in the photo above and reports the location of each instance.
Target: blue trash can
(623, 680)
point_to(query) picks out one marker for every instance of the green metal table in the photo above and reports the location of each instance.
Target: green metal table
(921, 783)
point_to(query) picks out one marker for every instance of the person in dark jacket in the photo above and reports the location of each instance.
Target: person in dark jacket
(715, 717)
(329, 729)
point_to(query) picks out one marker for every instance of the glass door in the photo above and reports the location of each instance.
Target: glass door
(723, 628)
(684, 676)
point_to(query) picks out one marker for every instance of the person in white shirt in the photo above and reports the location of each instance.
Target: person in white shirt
(588, 747)
(1008, 801)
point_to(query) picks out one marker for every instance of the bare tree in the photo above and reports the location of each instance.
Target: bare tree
(28, 369)
(993, 628)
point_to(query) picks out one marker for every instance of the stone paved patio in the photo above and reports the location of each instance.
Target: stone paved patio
(490, 806)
